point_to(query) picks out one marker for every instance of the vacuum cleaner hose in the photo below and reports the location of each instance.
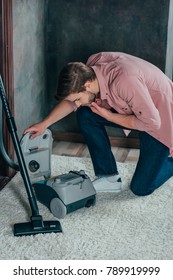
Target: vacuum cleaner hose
(11, 163)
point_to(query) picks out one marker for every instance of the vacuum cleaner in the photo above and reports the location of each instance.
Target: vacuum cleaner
(36, 224)
(61, 194)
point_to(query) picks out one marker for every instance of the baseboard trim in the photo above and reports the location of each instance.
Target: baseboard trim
(124, 142)
(3, 182)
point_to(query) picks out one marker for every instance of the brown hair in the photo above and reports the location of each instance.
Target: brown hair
(72, 79)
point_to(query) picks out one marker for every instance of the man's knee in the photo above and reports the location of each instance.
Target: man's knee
(141, 189)
(83, 114)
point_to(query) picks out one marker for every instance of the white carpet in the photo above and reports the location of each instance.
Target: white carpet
(119, 226)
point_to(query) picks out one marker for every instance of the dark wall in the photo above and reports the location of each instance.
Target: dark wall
(29, 62)
(78, 28)
(169, 53)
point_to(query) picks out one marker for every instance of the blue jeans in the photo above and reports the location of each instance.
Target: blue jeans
(154, 167)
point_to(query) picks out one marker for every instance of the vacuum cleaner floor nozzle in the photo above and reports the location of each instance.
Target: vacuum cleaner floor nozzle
(22, 229)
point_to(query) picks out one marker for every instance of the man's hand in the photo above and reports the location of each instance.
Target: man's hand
(171, 152)
(37, 129)
(127, 121)
(103, 112)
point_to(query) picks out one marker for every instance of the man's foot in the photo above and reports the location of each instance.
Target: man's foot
(108, 184)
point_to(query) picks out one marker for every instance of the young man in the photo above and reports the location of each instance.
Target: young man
(120, 90)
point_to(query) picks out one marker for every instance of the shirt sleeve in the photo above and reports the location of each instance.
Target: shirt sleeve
(133, 91)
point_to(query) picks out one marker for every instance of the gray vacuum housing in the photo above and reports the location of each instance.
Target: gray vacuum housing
(62, 194)
(37, 154)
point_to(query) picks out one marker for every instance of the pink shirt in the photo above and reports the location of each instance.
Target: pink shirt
(134, 86)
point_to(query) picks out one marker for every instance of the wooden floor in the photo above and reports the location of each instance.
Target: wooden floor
(81, 150)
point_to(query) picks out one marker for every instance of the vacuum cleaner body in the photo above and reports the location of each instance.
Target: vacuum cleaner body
(62, 194)
(66, 193)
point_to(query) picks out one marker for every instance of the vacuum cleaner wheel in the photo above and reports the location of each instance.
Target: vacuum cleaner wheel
(57, 208)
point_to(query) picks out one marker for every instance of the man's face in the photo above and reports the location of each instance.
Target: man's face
(84, 98)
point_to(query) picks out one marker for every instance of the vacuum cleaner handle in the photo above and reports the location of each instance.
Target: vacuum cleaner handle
(22, 166)
(8, 160)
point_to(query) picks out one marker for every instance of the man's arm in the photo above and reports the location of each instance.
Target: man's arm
(135, 94)
(60, 111)
(123, 120)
